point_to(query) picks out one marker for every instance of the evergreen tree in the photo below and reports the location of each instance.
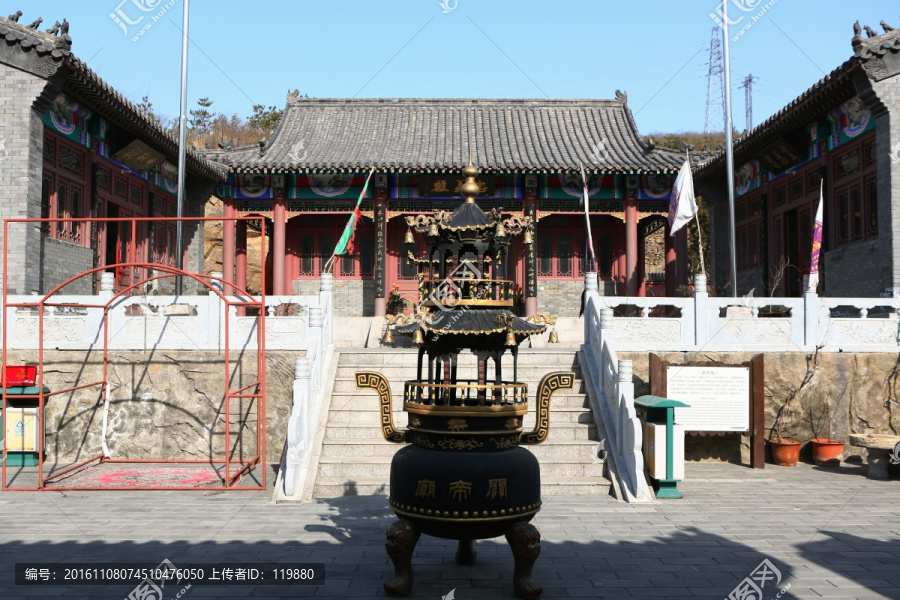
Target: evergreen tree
(147, 106)
(201, 119)
(264, 119)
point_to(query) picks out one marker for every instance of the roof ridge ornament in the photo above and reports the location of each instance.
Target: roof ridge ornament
(877, 53)
(621, 97)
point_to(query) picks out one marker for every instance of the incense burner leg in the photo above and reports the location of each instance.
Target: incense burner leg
(402, 537)
(525, 542)
(465, 553)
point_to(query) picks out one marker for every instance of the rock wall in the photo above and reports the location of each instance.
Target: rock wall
(847, 393)
(655, 252)
(163, 405)
(212, 246)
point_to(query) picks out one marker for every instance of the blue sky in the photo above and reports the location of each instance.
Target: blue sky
(247, 53)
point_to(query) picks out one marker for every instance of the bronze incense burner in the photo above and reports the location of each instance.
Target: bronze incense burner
(463, 475)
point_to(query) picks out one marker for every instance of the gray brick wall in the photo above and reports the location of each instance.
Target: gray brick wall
(60, 261)
(352, 297)
(881, 260)
(856, 270)
(21, 134)
(562, 297)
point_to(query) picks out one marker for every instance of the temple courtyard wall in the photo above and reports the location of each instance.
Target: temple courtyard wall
(847, 393)
(164, 404)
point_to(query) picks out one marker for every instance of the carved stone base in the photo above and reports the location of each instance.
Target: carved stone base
(525, 542)
(402, 537)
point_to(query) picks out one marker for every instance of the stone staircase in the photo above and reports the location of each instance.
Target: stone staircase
(355, 458)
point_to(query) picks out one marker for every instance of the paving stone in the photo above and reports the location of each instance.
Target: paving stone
(831, 534)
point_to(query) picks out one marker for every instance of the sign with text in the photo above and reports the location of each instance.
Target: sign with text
(447, 185)
(719, 397)
(138, 156)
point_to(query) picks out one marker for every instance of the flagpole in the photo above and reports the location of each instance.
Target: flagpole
(697, 219)
(350, 228)
(729, 153)
(587, 220)
(182, 152)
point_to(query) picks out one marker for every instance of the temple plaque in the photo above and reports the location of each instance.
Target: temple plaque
(719, 397)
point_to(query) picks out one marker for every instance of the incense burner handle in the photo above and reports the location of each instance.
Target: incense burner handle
(560, 380)
(377, 382)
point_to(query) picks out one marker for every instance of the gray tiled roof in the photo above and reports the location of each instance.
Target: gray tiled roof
(424, 134)
(832, 89)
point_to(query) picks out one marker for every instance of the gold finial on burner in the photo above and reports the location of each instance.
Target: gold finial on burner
(470, 189)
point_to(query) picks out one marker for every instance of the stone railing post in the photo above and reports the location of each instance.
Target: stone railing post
(107, 285)
(326, 303)
(624, 395)
(216, 282)
(298, 425)
(215, 324)
(810, 314)
(590, 281)
(701, 319)
(590, 291)
(315, 340)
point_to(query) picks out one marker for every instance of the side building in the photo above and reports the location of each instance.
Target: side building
(529, 154)
(841, 136)
(72, 147)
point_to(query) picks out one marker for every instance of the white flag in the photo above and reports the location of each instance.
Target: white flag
(682, 206)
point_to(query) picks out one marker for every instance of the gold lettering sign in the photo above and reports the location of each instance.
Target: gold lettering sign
(496, 488)
(450, 186)
(460, 490)
(425, 489)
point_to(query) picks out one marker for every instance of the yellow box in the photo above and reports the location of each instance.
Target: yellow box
(21, 430)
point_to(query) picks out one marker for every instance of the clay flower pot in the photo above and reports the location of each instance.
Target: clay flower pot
(785, 451)
(827, 452)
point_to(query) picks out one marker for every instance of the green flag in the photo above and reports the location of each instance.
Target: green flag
(345, 244)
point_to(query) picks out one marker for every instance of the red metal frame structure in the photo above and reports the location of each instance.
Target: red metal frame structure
(230, 479)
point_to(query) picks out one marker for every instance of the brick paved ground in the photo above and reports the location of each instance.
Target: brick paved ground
(831, 533)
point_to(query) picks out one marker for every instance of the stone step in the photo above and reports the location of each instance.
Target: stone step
(379, 486)
(368, 402)
(531, 376)
(351, 449)
(380, 466)
(382, 358)
(345, 383)
(368, 432)
(559, 415)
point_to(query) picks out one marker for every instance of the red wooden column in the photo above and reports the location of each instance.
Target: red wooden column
(240, 261)
(631, 244)
(279, 217)
(681, 254)
(228, 243)
(671, 267)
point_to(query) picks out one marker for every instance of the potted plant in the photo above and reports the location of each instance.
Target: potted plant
(785, 450)
(396, 304)
(827, 451)
(518, 299)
